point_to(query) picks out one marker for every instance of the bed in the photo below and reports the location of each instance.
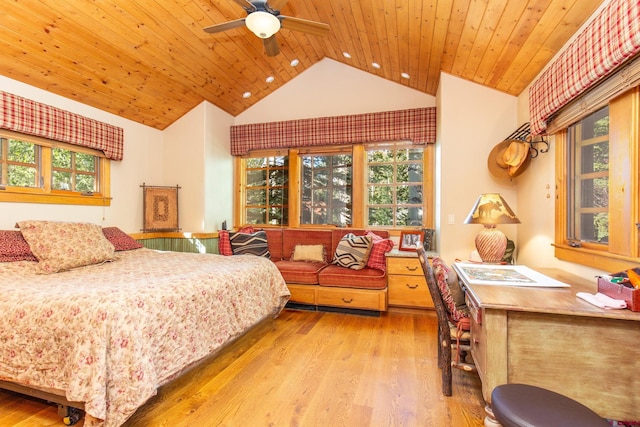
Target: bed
(110, 333)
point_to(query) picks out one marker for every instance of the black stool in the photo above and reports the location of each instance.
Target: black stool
(521, 405)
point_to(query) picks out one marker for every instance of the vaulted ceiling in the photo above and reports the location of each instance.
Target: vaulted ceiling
(150, 60)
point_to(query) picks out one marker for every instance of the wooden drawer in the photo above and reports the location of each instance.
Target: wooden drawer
(303, 294)
(409, 291)
(478, 337)
(404, 266)
(353, 298)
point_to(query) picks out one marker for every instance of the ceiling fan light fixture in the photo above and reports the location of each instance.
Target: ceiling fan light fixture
(262, 24)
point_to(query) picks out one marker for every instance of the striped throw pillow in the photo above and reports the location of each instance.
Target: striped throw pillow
(353, 251)
(253, 244)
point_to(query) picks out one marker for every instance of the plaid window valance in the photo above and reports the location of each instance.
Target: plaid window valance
(416, 125)
(33, 118)
(608, 41)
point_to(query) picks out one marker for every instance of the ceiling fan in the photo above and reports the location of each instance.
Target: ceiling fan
(264, 20)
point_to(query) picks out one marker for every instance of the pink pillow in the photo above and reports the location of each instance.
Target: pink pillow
(380, 247)
(13, 247)
(120, 240)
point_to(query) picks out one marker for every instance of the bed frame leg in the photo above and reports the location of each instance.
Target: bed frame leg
(69, 414)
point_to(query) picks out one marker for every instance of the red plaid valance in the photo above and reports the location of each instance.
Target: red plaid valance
(32, 118)
(416, 125)
(610, 39)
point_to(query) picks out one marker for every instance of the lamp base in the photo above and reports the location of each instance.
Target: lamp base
(491, 244)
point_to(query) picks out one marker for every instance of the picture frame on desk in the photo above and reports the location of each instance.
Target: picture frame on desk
(409, 240)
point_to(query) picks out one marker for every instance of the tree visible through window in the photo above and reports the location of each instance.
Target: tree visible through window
(267, 190)
(19, 163)
(326, 189)
(74, 171)
(589, 181)
(394, 186)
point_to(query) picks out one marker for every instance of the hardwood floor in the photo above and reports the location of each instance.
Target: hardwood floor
(308, 369)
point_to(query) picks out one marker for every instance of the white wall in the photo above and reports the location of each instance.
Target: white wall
(472, 119)
(142, 163)
(330, 88)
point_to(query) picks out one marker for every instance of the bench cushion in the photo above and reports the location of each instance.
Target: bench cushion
(367, 278)
(304, 273)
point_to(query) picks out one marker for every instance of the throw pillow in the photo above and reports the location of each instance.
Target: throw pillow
(253, 244)
(13, 247)
(224, 245)
(381, 246)
(353, 251)
(62, 246)
(308, 253)
(120, 240)
(442, 272)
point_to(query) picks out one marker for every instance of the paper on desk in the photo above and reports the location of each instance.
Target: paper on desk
(602, 300)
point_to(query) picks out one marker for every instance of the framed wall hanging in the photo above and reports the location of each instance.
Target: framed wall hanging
(160, 207)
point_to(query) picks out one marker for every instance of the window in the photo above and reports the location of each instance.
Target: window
(266, 190)
(360, 186)
(326, 189)
(36, 170)
(598, 195)
(589, 178)
(394, 186)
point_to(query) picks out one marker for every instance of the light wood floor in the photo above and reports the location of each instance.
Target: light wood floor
(308, 369)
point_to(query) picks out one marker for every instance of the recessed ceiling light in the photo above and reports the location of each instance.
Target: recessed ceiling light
(269, 79)
(405, 75)
(246, 95)
(346, 54)
(375, 65)
(294, 62)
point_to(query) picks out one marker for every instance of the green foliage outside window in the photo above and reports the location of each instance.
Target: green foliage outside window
(267, 190)
(19, 167)
(326, 189)
(394, 187)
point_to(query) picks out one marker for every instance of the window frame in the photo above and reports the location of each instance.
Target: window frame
(622, 248)
(46, 194)
(359, 187)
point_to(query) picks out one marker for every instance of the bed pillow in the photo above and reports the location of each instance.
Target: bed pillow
(253, 244)
(452, 294)
(353, 251)
(224, 245)
(308, 253)
(13, 247)
(120, 240)
(62, 246)
(381, 246)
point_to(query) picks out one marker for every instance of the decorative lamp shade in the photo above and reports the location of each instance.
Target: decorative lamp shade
(489, 210)
(262, 24)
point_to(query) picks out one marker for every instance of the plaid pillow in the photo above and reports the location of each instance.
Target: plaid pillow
(381, 246)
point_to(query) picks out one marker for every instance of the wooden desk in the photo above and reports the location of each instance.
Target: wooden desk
(550, 338)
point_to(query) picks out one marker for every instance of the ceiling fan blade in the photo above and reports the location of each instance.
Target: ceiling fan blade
(277, 4)
(246, 5)
(271, 46)
(217, 28)
(299, 24)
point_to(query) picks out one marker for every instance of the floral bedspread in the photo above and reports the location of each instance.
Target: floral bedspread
(109, 335)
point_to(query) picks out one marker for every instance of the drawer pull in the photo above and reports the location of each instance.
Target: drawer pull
(347, 301)
(411, 268)
(411, 286)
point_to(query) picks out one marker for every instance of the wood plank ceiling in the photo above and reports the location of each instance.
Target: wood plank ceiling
(151, 62)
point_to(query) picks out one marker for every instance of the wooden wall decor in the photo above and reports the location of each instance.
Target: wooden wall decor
(160, 206)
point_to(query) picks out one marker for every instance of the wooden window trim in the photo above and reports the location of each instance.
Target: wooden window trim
(46, 195)
(359, 187)
(622, 250)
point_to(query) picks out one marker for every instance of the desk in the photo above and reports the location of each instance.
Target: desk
(550, 338)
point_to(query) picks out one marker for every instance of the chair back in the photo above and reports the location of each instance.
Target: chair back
(436, 296)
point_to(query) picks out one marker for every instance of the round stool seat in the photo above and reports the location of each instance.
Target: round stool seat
(521, 405)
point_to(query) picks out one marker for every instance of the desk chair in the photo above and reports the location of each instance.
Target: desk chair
(448, 343)
(521, 405)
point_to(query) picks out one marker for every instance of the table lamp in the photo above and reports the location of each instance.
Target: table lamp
(489, 210)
